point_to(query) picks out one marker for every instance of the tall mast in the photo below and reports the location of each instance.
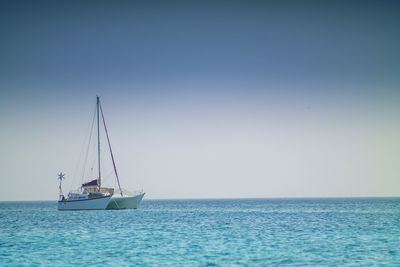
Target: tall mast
(98, 141)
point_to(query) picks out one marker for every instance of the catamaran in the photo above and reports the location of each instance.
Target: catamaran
(92, 195)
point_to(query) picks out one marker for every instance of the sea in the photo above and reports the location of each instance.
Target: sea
(210, 232)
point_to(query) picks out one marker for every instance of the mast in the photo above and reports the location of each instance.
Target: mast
(98, 141)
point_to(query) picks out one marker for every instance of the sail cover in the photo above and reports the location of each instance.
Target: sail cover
(91, 183)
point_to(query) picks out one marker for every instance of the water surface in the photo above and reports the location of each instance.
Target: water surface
(246, 232)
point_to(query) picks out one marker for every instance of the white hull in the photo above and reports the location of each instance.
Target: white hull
(126, 202)
(109, 203)
(84, 204)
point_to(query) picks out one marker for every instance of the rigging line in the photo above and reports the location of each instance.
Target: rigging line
(106, 177)
(88, 147)
(109, 146)
(82, 150)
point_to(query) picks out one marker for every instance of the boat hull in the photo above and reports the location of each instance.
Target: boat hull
(125, 202)
(84, 204)
(103, 203)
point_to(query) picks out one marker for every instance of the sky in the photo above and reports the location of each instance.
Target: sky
(203, 99)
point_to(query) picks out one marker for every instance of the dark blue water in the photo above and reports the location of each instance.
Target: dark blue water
(262, 232)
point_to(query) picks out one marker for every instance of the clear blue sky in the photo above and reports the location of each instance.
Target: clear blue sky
(204, 98)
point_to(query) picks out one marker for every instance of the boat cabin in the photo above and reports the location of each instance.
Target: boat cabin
(93, 187)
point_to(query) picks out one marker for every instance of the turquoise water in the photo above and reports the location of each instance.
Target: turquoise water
(262, 232)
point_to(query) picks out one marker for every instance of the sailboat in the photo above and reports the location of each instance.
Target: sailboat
(92, 195)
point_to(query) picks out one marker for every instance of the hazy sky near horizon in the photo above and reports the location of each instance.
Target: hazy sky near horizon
(203, 99)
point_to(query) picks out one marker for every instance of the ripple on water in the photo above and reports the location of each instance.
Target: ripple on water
(205, 233)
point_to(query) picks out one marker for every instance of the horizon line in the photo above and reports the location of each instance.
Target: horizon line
(233, 198)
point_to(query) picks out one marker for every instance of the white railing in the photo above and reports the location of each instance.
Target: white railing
(109, 191)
